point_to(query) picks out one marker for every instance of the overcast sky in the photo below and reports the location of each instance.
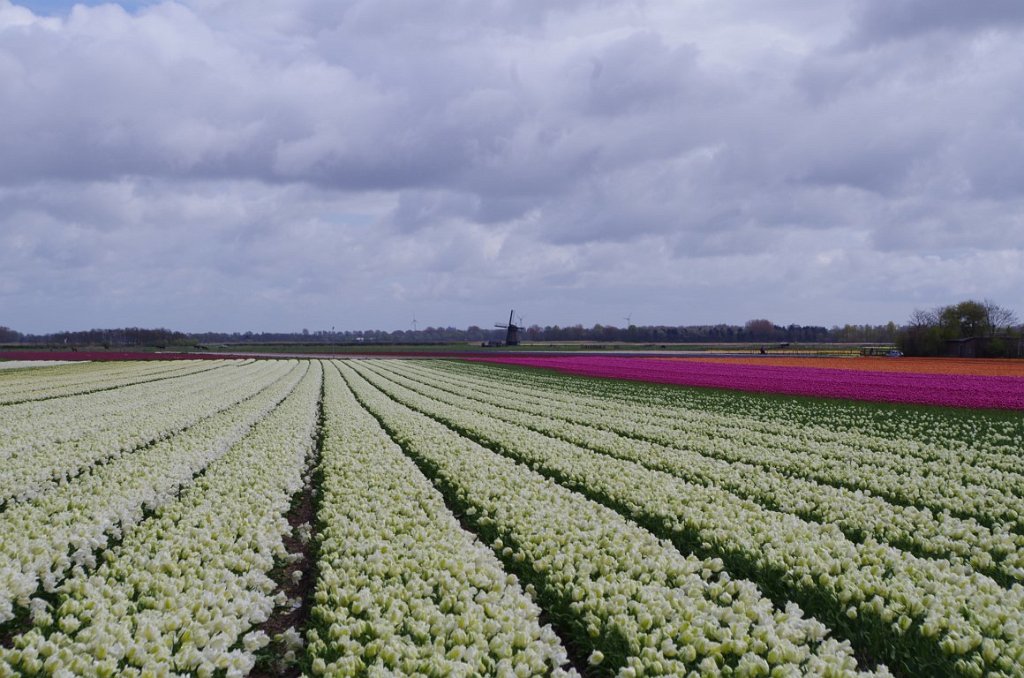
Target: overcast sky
(235, 165)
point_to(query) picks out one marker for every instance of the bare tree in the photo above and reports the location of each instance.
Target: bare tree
(999, 318)
(921, 318)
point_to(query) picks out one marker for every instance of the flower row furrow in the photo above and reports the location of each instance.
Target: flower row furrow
(927, 389)
(971, 457)
(31, 474)
(927, 614)
(45, 538)
(402, 588)
(36, 424)
(635, 602)
(73, 380)
(183, 590)
(949, 436)
(859, 515)
(987, 495)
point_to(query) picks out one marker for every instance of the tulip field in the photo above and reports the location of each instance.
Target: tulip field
(227, 517)
(921, 384)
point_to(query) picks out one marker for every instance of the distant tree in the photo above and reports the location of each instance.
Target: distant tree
(966, 319)
(922, 336)
(1000, 318)
(759, 329)
(929, 332)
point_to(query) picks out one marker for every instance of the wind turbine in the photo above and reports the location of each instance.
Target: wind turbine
(413, 322)
(629, 320)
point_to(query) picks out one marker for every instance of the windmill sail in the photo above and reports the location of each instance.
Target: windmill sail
(511, 330)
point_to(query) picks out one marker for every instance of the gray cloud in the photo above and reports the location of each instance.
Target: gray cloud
(208, 164)
(882, 20)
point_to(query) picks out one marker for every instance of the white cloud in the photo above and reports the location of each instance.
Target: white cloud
(218, 164)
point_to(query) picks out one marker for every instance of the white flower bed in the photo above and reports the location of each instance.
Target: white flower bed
(182, 592)
(45, 538)
(25, 364)
(999, 552)
(402, 588)
(830, 424)
(919, 603)
(966, 481)
(640, 605)
(56, 439)
(826, 428)
(116, 401)
(86, 377)
(35, 424)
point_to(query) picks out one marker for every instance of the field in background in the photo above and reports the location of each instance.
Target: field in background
(751, 348)
(25, 364)
(34, 352)
(920, 382)
(982, 367)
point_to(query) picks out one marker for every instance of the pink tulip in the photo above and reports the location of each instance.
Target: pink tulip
(949, 390)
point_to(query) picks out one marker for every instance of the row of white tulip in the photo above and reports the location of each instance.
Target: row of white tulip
(929, 613)
(640, 606)
(986, 494)
(939, 434)
(105, 436)
(183, 591)
(996, 552)
(402, 588)
(34, 424)
(27, 364)
(951, 437)
(78, 378)
(988, 457)
(935, 433)
(43, 539)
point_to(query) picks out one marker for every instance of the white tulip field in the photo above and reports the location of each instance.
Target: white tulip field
(449, 518)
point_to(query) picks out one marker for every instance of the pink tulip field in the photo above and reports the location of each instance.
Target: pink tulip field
(948, 390)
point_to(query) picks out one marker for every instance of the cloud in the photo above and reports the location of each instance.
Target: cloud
(208, 164)
(882, 20)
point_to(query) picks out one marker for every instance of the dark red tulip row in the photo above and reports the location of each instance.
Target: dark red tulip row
(949, 390)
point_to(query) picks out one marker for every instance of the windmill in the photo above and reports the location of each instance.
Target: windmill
(629, 320)
(511, 330)
(413, 322)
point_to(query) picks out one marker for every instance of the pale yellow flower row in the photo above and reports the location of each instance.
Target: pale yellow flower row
(989, 551)
(183, 591)
(834, 430)
(641, 606)
(968, 619)
(50, 441)
(65, 379)
(402, 588)
(44, 538)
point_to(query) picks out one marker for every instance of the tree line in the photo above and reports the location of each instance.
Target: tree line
(967, 329)
(758, 330)
(121, 337)
(976, 328)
